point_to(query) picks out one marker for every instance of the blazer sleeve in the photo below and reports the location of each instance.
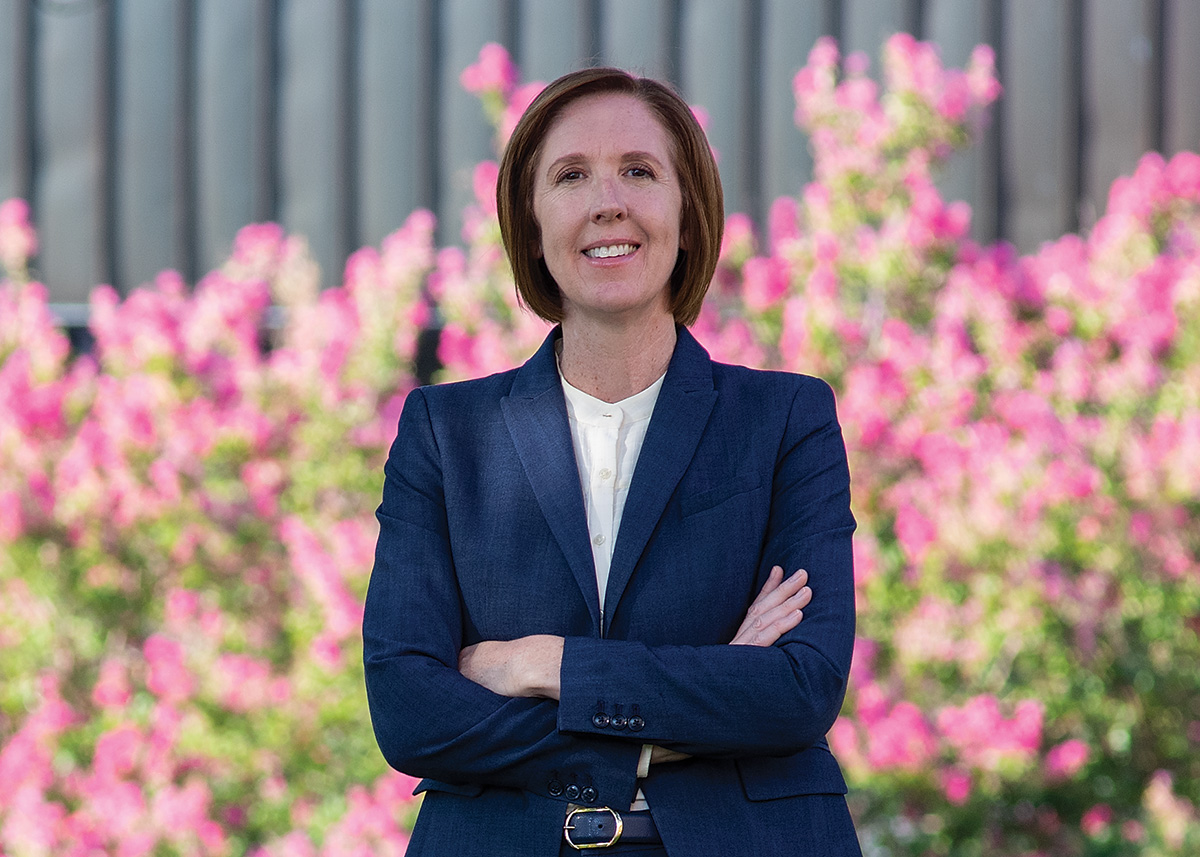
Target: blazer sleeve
(743, 700)
(431, 721)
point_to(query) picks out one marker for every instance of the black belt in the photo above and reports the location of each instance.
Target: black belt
(600, 827)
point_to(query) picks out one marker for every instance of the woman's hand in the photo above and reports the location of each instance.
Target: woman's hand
(527, 666)
(778, 609)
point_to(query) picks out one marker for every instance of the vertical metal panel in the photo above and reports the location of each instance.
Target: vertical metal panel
(1181, 87)
(145, 59)
(464, 135)
(715, 79)
(555, 37)
(10, 77)
(1155, 24)
(225, 117)
(24, 102)
(308, 169)
(957, 28)
(104, 143)
(749, 143)
(183, 179)
(65, 182)
(789, 30)
(867, 24)
(1038, 144)
(1118, 68)
(266, 109)
(345, 115)
(397, 122)
(645, 48)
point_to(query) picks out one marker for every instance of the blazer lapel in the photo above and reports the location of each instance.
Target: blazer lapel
(684, 404)
(536, 415)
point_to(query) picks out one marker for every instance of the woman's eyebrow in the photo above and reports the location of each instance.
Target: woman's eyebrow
(573, 156)
(636, 155)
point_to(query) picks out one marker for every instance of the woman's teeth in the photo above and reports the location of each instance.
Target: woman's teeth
(609, 252)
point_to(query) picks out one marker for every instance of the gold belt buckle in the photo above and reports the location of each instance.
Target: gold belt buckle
(568, 826)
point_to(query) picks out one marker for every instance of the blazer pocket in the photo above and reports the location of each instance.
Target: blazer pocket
(692, 504)
(813, 771)
(464, 789)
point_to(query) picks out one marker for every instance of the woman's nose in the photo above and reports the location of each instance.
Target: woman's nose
(608, 203)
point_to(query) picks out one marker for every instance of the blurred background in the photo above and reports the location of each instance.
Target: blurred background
(144, 133)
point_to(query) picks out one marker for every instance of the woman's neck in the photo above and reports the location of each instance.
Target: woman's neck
(615, 362)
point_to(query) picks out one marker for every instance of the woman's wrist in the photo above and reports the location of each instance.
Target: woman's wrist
(541, 664)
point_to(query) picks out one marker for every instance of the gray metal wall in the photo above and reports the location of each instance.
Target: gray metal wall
(146, 132)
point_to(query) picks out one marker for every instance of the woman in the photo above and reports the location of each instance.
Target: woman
(567, 549)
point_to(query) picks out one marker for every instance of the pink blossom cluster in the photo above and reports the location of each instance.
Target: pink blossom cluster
(18, 240)
(186, 513)
(184, 559)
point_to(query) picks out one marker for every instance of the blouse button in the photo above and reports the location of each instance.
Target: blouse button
(605, 473)
(599, 540)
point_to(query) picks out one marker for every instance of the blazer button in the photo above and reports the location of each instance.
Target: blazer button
(636, 724)
(600, 720)
(555, 788)
(572, 792)
(589, 795)
(618, 721)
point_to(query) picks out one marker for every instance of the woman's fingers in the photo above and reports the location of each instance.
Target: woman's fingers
(777, 609)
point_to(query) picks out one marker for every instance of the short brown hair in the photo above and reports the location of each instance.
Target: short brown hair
(703, 214)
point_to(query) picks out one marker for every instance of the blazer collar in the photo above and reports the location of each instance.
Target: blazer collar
(536, 415)
(680, 416)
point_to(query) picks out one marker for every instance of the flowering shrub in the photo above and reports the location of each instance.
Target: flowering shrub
(186, 513)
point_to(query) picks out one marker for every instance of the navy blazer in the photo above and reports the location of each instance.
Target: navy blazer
(483, 536)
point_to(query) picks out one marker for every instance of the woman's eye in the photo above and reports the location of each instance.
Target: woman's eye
(641, 172)
(570, 176)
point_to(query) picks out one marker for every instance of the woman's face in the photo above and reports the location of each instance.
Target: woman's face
(608, 203)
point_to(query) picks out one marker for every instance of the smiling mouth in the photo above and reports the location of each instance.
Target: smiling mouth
(611, 251)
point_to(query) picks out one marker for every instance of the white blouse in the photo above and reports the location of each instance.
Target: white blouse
(607, 440)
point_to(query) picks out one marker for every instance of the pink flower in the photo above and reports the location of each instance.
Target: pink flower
(956, 785)
(484, 183)
(737, 244)
(1133, 831)
(183, 605)
(1096, 820)
(112, 688)
(984, 738)
(492, 72)
(18, 240)
(916, 532)
(326, 651)
(169, 677)
(765, 282)
(1183, 175)
(1066, 759)
(117, 753)
(243, 682)
(902, 740)
(783, 223)
(521, 98)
